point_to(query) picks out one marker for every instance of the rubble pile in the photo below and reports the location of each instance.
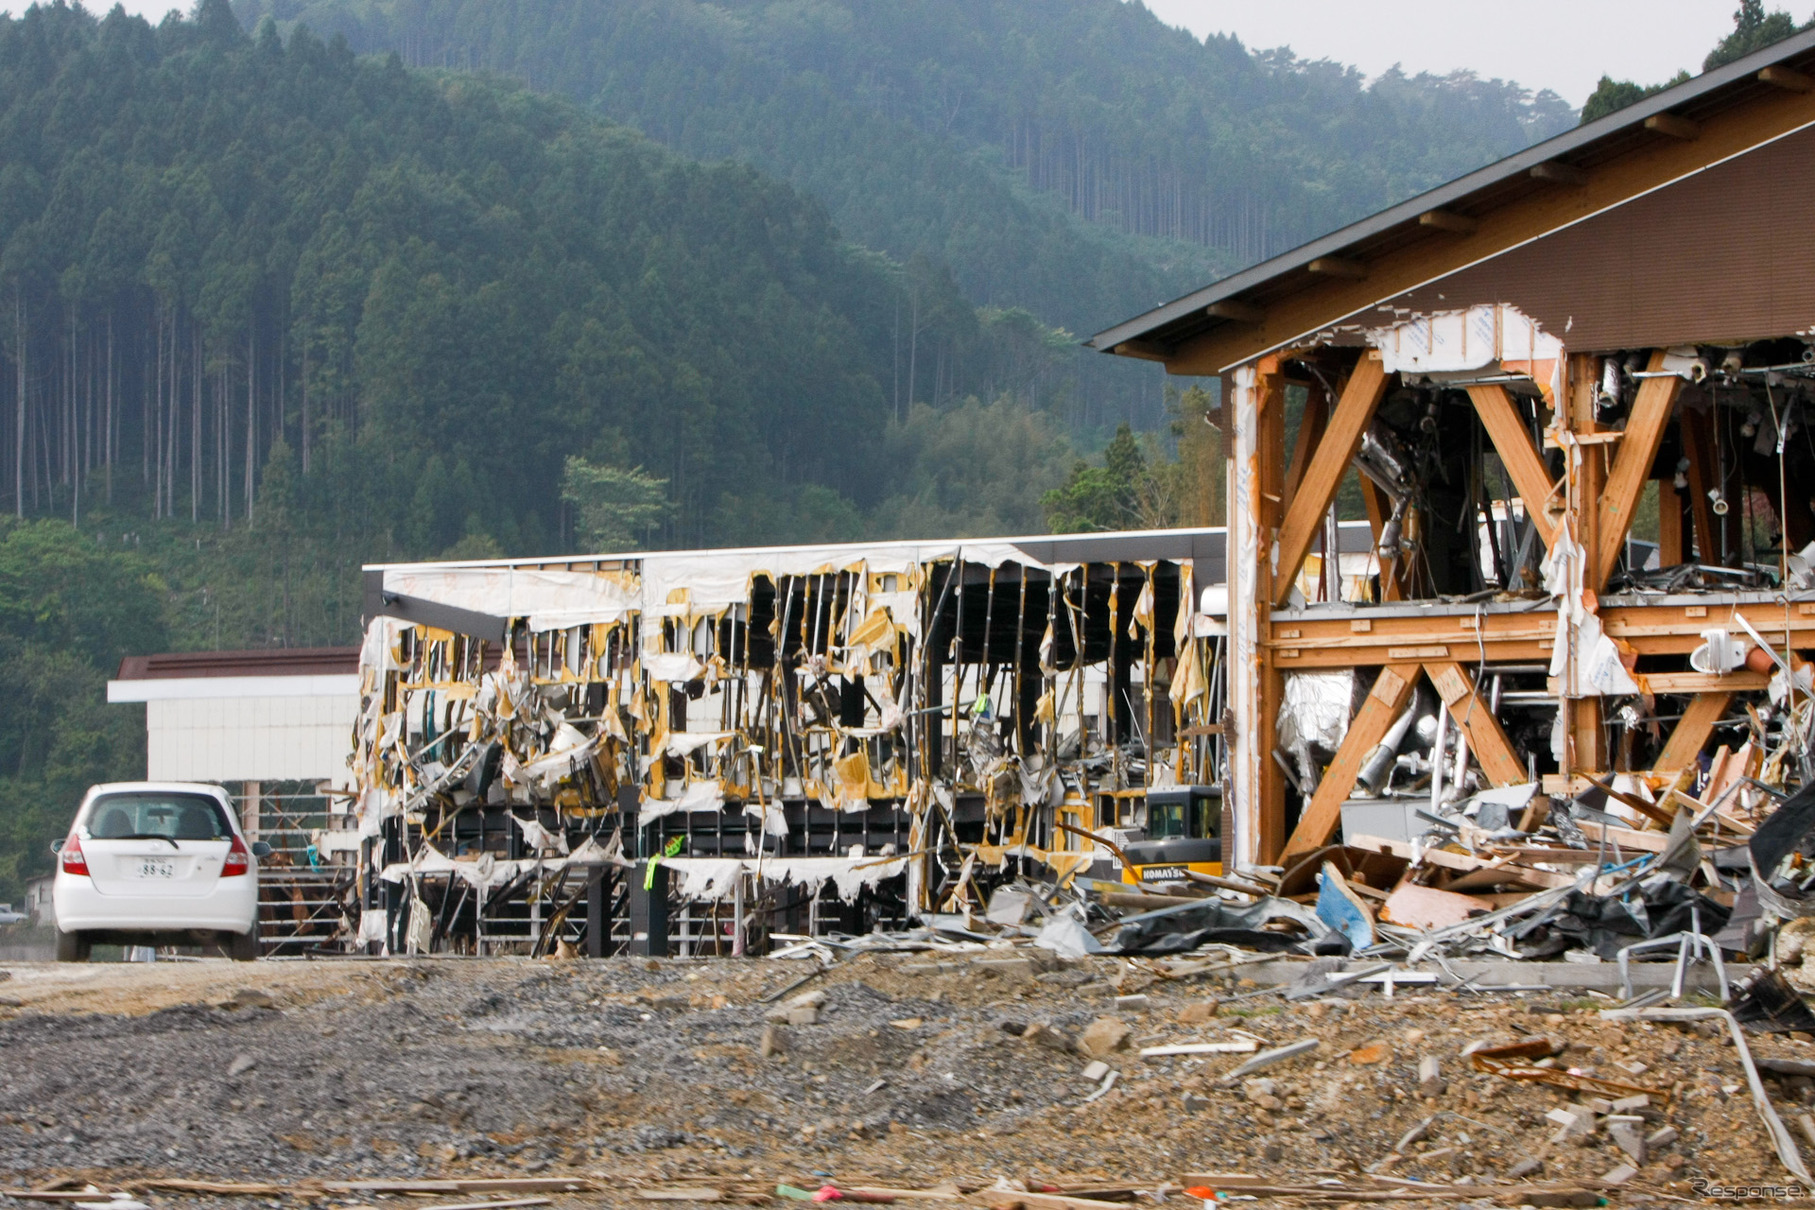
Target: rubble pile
(1006, 1074)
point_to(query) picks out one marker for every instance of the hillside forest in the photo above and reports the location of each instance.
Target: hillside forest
(296, 287)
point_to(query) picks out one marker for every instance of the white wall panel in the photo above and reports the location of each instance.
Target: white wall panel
(249, 738)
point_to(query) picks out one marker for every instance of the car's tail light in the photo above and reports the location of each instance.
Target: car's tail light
(74, 862)
(239, 859)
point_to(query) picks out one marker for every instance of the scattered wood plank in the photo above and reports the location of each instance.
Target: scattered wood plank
(1554, 856)
(487, 1184)
(677, 1195)
(227, 1188)
(1414, 906)
(1626, 838)
(935, 1194)
(1462, 862)
(1015, 1199)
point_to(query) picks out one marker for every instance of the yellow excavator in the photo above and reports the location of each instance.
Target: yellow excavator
(1184, 826)
(1183, 832)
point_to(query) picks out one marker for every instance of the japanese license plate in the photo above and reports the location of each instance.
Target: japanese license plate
(155, 867)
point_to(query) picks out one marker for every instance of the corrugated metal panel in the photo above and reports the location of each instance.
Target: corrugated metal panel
(1727, 255)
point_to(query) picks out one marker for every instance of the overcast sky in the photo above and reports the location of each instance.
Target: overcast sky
(1563, 45)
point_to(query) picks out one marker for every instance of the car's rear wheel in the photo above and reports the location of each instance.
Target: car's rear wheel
(243, 947)
(73, 947)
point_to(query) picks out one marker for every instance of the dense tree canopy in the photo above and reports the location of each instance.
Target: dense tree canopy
(69, 609)
(980, 131)
(431, 291)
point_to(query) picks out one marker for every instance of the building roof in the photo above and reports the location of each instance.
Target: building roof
(1543, 188)
(282, 661)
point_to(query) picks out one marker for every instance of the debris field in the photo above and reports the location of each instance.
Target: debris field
(985, 1078)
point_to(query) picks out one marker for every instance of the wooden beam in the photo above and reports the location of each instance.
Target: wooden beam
(1632, 467)
(1338, 266)
(1692, 731)
(1674, 125)
(1649, 164)
(1558, 173)
(1739, 679)
(1146, 350)
(1494, 404)
(1499, 760)
(1697, 432)
(1310, 433)
(1651, 811)
(1385, 702)
(1354, 412)
(1448, 220)
(1787, 78)
(1433, 634)
(1584, 737)
(1235, 311)
(1671, 549)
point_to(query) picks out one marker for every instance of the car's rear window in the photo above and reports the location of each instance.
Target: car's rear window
(152, 813)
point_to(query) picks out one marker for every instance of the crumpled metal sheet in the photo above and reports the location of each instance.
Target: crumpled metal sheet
(1656, 907)
(1185, 926)
(1315, 708)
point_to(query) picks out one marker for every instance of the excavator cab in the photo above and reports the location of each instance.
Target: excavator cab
(1184, 825)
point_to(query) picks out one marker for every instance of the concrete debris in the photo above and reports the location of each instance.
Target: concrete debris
(1275, 1056)
(803, 1009)
(1625, 1135)
(1430, 1077)
(1197, 1012)
(1620, 1175)
(1104, 1036)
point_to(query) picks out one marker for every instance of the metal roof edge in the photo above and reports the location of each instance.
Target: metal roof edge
(532, 562)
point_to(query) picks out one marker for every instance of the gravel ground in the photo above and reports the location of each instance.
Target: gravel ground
(915, 1072)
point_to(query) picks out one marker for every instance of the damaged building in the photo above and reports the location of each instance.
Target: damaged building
(1498, 687)
(1616, 325)
(790, 741)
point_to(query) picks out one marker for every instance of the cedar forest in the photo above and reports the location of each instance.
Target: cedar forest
(292, 285)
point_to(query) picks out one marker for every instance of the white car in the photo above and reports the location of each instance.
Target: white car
(156, 863)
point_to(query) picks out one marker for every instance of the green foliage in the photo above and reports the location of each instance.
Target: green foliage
(614, 509)
(69, 609)
(61, 591)
(1611, 95)
(1123, 493)
(972, 471)
(1753, 29)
